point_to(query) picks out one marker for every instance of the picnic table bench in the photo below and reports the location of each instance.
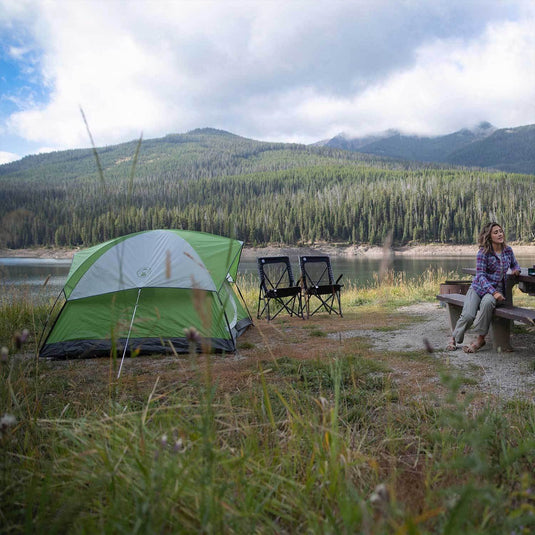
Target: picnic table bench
(504, 315)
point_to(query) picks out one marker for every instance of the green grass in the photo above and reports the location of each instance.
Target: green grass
(20, 310)
(299, 447)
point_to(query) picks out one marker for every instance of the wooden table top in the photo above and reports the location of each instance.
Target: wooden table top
(523, 277)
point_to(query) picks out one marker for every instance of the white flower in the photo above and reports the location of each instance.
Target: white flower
(380, 496)
(7, 420)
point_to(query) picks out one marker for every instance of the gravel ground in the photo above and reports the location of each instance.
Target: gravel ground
(504, 374)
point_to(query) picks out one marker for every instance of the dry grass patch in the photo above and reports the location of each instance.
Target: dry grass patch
(288, 337)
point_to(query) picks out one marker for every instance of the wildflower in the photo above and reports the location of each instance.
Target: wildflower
(163, 441)
(192, 335)
(323, 402)
(7, 421)
(179, 446)
(20, 338)
(380, 496)
(380, 501)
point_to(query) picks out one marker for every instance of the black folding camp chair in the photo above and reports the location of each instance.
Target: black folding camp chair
(319, 285)
(277, 285)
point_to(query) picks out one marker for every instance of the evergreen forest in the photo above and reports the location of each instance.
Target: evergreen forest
(213, 181)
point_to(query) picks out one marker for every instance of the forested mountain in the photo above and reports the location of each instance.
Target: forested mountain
(200, 153)
(261, 193)
(508, 149)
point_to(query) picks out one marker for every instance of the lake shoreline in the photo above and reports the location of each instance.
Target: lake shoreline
(342, 251)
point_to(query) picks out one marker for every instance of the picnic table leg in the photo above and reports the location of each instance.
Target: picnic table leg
(501, 334)
(454, 313)
(509, 283)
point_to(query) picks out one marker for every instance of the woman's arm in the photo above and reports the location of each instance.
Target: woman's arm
(481, 273)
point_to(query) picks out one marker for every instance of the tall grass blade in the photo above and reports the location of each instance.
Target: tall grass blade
(133, 170)
(95, 152)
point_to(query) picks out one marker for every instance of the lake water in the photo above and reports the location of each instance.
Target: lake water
(33, 272)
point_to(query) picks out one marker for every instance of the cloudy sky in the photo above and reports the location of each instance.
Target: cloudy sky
(291, 70)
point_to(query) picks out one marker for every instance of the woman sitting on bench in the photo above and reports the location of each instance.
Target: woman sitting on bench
(487, 290)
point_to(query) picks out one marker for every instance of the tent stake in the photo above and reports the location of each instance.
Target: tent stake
(129, 331)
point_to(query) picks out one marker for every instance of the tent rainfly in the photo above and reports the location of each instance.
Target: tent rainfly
(142, 293)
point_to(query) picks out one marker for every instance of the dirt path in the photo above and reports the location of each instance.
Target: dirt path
(503, 374)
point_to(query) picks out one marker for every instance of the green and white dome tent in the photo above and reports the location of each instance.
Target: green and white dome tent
(141, 293)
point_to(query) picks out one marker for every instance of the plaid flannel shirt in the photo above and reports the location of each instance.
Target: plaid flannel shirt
(491, 270)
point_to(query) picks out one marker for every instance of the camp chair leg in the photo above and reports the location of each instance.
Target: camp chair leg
(326, 303)
(300, 311)
(261, 302)
(258, 308)
(285, 306)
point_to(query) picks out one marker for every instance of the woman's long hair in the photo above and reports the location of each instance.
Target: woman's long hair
(484, 239)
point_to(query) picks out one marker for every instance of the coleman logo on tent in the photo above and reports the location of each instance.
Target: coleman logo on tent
(143, 272)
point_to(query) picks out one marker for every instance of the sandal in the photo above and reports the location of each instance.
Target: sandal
(473, 347)
(452, 346)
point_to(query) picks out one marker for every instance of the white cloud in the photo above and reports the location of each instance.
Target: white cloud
(292, 71)
(452, 84)
(6, 157)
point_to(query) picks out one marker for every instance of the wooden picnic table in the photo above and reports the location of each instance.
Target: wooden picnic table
(504, 315)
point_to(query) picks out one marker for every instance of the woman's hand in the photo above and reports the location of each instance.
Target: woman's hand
(515, 272)
(498, 296)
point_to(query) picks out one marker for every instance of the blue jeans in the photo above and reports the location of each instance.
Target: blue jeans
(472, 304)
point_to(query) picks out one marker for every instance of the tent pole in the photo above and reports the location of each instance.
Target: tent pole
(224, 314)
(129, 331)
(243, 301)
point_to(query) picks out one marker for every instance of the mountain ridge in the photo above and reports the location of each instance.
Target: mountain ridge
(484, 146)
(199, 153)
(208, 151)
